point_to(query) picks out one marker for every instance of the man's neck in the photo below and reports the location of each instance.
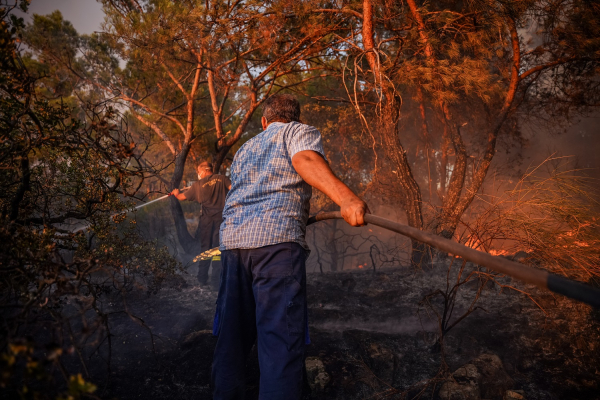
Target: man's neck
(276, 122)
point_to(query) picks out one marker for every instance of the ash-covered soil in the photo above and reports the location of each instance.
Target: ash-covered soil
(372, 339)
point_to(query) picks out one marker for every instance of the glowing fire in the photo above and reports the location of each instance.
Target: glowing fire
(476, 244)
(581, 244)
(573, 234)
(499, 252)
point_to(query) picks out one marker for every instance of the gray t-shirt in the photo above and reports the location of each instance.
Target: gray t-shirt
(211, 193)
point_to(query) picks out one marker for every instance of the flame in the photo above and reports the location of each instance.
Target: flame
(573, 234)
(581, 244)
(476, 244)
(499, 252)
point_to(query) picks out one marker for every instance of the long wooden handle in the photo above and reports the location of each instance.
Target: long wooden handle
(543, 279)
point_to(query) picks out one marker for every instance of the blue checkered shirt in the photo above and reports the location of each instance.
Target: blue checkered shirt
(269, 202)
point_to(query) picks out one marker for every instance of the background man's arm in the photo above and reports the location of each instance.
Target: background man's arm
(178, 194)
(316, 172)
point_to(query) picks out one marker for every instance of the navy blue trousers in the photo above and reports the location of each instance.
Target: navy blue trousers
(262, 299)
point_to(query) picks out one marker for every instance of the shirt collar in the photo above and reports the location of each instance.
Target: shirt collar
(274, 124)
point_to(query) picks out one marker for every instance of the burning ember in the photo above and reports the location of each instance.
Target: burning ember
(499, 252)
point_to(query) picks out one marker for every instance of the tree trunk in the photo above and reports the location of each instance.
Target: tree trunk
(219, 158)
(188, 243)
(425, 133)
(456, 205)
(411, 194)
(443, 172)
(450, 211)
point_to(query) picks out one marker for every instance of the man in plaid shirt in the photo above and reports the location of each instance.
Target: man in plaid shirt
(262, 295)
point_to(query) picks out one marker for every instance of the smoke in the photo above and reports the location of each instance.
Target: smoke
(580, 141)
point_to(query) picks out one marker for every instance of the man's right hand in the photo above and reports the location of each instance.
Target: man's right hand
(178, 194)
(353, 210)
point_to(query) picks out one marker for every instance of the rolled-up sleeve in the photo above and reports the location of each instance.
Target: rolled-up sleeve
(304, 137)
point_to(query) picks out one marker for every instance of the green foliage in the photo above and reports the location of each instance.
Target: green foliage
(62, 59)
(569, 35)
(20, 360)
(59, 173)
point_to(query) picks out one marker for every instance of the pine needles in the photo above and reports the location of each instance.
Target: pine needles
(553, 217)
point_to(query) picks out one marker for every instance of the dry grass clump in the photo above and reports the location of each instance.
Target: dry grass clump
(553, 216)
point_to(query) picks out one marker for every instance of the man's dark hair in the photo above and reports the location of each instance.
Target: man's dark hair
(207, 165)
(281, 108)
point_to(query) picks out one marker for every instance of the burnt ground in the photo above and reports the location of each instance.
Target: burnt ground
(371, 339)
